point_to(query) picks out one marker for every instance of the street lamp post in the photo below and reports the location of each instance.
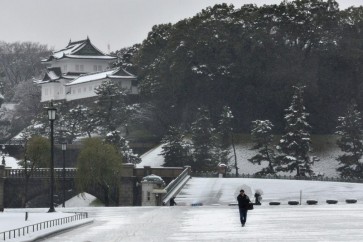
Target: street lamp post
(51, 116)
(64, 148)
(3, 154)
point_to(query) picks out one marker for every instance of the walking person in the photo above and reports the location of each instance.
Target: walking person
(172, 201)
(243, 201)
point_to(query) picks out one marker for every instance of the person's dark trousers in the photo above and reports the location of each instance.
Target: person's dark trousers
(243, 215)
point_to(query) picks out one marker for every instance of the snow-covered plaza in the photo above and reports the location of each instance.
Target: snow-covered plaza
(218, 219)
(219, 223)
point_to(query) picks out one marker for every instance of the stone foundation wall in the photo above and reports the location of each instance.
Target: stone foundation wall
(127, 194)
(127, 190)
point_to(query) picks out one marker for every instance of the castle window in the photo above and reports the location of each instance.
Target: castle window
(95, 68)
(81, 68)
(77, 67)
(90, 88)
(79, 90)
(84, 89)
(74, 91)
(99, 68)
(46, 92)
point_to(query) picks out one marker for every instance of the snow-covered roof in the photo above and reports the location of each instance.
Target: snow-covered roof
(52, 74)
(116, 73)
(82, 49)
(154, 179)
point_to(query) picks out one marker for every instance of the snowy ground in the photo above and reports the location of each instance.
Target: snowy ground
(11, 162)
(223, 191)
(152, 158)
(217, 221)
(220, 223)
(82, 200)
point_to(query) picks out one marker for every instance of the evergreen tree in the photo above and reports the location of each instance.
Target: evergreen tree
(295, 143)
(216, 57)
(224, 136)
(69, 127)
(81, 120)
(262, 136)
(123, 147)
(111, 108)
(175, 148)
(203, 139)
(125, 58)
(350, 130)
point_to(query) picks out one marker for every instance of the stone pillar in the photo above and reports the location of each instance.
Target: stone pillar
(147, 170)
(148, 198)
(127, 170)
(152, 188)
(2, 181)
(189, 169)
(126, 191)
(127, 185)
(222, 170)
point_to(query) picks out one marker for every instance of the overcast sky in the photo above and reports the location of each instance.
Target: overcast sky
(119, 23)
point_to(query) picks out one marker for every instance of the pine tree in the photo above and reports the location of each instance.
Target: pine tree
(175, 148)
(262, 136)
(69, 125)
(84, 118)
(203, 139)
(123, 147)
(350, 130)
(224, 136)
(111, 108)
(295, 143)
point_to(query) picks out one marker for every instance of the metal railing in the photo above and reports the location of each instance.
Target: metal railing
(174, 183)
(15, 233)
(40, 172)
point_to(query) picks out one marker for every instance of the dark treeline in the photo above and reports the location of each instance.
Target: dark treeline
(249, 59)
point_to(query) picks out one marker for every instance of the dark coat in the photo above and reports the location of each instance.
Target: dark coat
(172, 202)
(243, 201)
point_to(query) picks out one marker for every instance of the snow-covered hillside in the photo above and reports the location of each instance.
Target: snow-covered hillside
(326, 165)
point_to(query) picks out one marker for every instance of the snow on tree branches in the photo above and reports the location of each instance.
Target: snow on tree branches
(295, 143)
(350, 130)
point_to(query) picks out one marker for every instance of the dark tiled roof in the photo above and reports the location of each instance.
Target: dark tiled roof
(79, 49)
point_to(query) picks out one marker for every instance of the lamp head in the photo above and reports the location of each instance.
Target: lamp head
(51, 111)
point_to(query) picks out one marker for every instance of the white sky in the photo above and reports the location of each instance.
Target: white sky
(119, 23)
